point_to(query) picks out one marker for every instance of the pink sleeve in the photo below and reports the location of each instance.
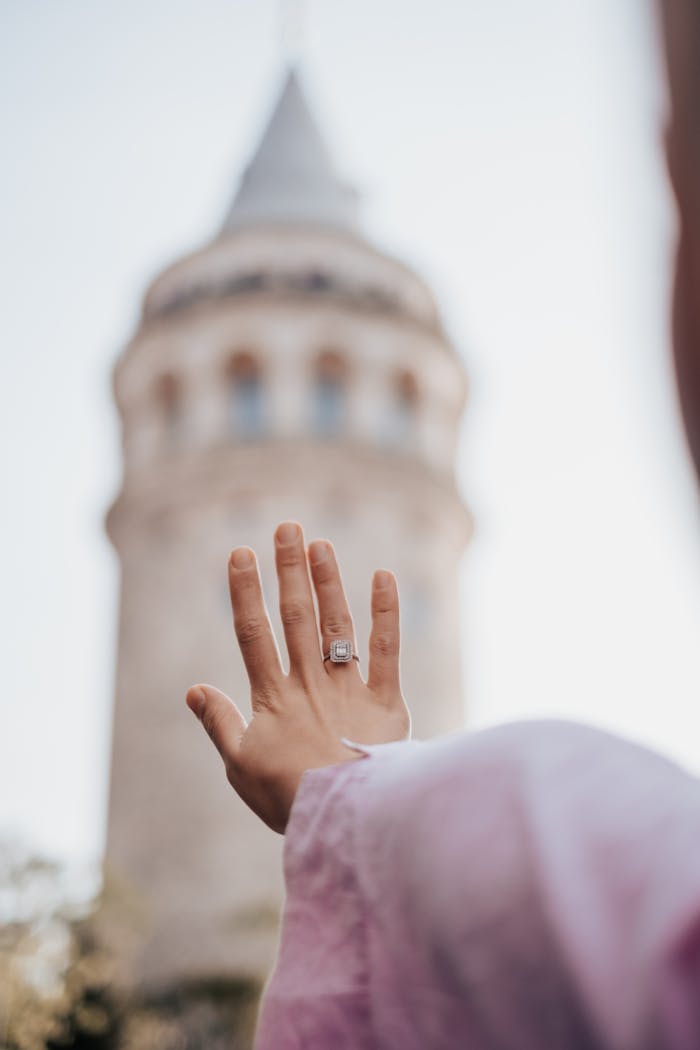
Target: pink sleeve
(536, 885)
(317, 996)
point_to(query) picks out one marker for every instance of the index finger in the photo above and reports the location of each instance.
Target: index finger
(252, 625)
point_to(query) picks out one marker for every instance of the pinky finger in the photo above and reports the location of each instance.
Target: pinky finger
(383, 676)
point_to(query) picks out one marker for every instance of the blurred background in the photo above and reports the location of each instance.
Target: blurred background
(516, 229)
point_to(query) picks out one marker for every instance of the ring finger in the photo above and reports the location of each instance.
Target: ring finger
(334, 612)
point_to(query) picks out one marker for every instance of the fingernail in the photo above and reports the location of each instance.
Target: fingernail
(318, 552)
(287, 532)
(242, 558)
(382, 578)
(196, 701)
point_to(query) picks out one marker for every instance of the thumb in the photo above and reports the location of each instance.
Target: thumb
(220, 717)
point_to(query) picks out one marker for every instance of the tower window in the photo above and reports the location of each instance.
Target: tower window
(400, 423)
(330, 395)
(246, 400)
(317, 281)
(170, 401)
(245, 282)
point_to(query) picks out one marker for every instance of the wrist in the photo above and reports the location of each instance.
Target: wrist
(334, 759)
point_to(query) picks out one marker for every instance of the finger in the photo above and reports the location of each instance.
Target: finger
(252, 625)
(384, 643)
(296, 602)
(333, 609)
(220, 717)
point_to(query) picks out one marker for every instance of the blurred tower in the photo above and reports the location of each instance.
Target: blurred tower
(288, 369)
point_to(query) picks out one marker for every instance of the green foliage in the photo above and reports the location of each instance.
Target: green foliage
(204, 1015)
(53, 976)
(57, 987)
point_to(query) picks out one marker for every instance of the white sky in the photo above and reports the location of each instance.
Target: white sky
(510, 150)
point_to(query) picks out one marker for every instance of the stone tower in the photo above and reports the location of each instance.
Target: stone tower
(287, 369)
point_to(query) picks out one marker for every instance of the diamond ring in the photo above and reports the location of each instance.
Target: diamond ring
(341, 652)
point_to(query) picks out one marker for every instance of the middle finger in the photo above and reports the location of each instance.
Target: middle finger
(296, 602)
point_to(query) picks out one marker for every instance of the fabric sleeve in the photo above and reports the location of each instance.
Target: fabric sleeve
(532, 885)
(318, 993)
(545, 892)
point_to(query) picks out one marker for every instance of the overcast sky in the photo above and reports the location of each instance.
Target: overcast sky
(510, 151)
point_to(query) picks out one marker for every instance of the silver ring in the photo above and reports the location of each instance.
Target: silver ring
(341, 652)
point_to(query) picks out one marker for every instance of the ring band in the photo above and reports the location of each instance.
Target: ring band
(341, 652)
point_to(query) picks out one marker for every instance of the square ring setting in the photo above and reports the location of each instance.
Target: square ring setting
(340, 651)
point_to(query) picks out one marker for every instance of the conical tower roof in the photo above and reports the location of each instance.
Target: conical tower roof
(291, 177)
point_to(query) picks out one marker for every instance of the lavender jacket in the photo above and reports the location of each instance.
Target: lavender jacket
(533, 887)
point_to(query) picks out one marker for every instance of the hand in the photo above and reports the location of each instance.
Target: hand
(298, 719)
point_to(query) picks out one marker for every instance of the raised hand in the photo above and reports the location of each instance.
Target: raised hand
(299, 718)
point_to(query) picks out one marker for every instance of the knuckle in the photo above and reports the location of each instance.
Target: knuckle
(249, 630)
(385, 644)
(266, 699)
(213, 720)
(324, 573)
(382, 606)
(336, 626)
(293, 611)
(288, 557)
(244, 580)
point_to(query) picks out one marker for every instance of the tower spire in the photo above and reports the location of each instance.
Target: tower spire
(291, 177)
(291, 29)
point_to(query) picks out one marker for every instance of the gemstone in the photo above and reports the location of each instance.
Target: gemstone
(341, 651)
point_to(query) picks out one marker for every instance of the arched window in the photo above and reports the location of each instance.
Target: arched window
(401, 421)
(170, 403)
(246, 402)
(330, 395)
